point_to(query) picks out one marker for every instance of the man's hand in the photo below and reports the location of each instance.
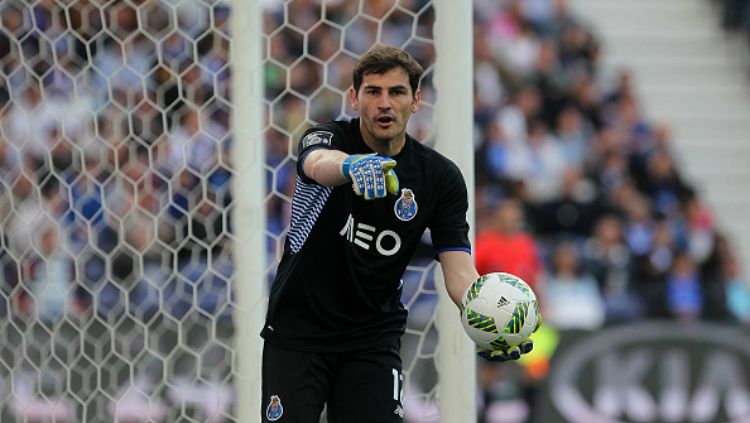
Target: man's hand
(372, 176)
(509, 354)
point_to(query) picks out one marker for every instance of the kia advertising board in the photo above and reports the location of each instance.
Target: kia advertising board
(650, 372)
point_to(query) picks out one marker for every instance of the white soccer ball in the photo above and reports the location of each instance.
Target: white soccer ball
(499, 311)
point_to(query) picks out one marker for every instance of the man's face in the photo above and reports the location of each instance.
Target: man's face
(385, 102)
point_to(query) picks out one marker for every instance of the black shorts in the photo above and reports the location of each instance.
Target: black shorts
(358, 387)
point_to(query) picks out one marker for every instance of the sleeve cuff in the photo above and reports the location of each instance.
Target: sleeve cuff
(445, 249)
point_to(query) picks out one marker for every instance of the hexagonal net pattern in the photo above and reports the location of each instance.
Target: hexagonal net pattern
(116, 269)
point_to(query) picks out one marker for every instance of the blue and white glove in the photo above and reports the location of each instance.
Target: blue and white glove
(372, 176)
(509, 354)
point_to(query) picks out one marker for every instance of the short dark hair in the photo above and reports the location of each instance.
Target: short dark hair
(381, 59)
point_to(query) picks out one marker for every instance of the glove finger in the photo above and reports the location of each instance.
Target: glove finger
(388, 164)
(497, 356)
(371, 175)
(379, 191)
(358, 183)
(527, 346)
(380, 183)
(391, 182)
(487, 356)
(513, 353)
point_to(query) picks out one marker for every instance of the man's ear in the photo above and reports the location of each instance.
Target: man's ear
(353, 99)
(417, 101)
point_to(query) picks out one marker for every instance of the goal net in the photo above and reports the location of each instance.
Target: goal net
(119, 285)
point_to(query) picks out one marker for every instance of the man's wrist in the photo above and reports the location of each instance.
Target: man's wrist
(346, 165)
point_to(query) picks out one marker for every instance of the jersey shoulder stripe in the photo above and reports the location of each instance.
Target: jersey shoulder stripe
(307, 204)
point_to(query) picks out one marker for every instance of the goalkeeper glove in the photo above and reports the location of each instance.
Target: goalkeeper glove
(509, 354)
(372, 176)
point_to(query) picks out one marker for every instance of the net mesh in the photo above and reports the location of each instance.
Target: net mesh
(115, 154)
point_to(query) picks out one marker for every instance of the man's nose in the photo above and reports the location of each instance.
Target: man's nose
(384, 101)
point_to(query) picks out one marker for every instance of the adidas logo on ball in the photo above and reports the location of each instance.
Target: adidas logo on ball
(502, 302)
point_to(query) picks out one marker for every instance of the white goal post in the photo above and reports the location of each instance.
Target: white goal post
(249, 211)
(454, 125)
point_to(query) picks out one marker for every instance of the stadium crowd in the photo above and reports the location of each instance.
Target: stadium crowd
(115, 145)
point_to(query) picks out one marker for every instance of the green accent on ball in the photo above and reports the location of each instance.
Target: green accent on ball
(518, 319)
(518, 283)
(475, 288)
(480, 322)
(499, 344)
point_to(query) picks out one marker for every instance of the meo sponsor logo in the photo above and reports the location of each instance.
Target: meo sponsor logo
(387, 242)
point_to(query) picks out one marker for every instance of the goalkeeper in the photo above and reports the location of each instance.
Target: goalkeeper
(366, 192)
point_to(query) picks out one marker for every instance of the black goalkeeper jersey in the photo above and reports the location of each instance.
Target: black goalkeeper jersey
(338, 286)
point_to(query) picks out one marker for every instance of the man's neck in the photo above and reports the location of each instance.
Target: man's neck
(385, 148)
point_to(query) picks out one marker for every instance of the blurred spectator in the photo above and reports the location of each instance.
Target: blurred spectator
(572, 213)
(570, 296)
(735, 15)
(514, 118)
(735, 18)
(496, 163)
(640, 226)
(737, 291)
(193, 144)
(49, 277)
(25, 214)
(700, 231)
(579, 50)
(585, 96)
(544, 164)
(574, 135)
(520, 48)
(553, 17)
(664, 184)
(489, 89)
(607, 257)
(551, 79)
(31, 122)
(715, 271)
(505, 246)
(684, 293)
(652, 267)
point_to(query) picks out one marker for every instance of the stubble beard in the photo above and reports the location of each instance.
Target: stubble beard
(386, 136)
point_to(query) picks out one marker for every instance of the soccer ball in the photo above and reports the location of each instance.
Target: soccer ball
(499, 311)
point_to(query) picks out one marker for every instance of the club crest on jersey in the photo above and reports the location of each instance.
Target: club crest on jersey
(275, 410)
(406, 206)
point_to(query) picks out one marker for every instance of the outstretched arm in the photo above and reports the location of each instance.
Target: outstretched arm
(324, 167)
